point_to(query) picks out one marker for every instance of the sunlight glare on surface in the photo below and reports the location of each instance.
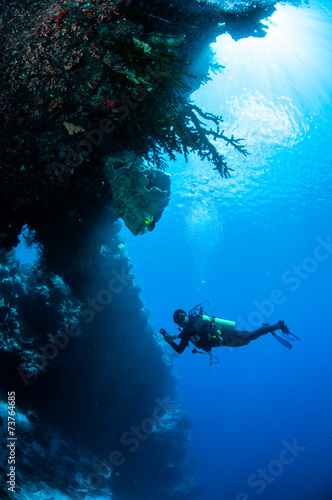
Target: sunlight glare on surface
(298, 42)
(275, 93)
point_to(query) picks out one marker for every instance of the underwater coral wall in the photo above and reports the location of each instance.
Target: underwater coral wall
(87, 367)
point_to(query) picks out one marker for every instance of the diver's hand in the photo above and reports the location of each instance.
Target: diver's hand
(168, 338)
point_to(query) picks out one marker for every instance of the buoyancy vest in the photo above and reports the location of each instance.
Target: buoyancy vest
(195, 338)
(209, 329)
(199, 325)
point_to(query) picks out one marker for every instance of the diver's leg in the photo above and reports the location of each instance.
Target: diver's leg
(237, 338)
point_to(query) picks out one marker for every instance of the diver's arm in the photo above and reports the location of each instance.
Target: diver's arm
(185, 338)
(179, 348)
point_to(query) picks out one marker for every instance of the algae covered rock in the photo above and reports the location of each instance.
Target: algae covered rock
(140, 193)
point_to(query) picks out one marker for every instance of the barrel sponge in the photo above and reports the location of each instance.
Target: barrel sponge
(139, 192)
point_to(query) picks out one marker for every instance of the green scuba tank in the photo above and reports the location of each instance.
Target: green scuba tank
(218, 321)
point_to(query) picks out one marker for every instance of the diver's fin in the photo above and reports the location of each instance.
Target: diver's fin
(282, 340)
(288, 334)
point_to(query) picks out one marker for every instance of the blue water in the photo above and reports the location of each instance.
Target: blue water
(258, 247)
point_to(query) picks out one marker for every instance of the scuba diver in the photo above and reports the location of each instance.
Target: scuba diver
(206, 331)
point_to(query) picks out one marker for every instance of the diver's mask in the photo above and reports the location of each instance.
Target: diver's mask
(181, 319)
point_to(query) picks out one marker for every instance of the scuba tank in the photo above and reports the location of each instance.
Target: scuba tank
(217, 321)
(210, 319)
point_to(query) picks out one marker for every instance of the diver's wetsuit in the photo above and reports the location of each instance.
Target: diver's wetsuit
(204, 336)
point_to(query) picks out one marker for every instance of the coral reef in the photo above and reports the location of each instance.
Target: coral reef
(34, 308)
(84, 80)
